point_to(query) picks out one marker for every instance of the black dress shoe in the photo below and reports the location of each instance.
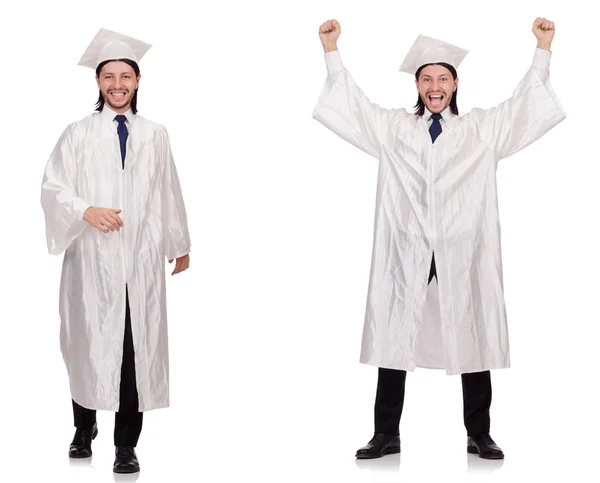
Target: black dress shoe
(485, 447)
(381, 444)
(81, 447)
(126, 460)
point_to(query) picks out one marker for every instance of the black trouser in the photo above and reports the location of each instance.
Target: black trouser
(128, 420)
(389, 400)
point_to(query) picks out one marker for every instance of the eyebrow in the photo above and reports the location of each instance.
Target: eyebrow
(430, 76)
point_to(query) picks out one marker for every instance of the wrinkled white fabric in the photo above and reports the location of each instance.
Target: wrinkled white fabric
(85, 170)
(437, 198)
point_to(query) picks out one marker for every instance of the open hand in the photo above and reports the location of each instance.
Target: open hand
(181, 264)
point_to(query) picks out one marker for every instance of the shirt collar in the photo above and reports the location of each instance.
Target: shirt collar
(446, 114)
(109, 115)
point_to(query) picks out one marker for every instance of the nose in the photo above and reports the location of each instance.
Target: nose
(118, 83)
(435, 85)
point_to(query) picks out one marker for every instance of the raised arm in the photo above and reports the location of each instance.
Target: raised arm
(532, 110)
(342, 106)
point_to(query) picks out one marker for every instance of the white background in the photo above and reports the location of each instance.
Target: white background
(265, 326)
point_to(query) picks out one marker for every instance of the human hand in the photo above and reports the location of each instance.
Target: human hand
(543, 30)
(181, 264)
(104, 219)
(329, 32)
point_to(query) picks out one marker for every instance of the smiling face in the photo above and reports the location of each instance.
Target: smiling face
(436, 85)
(117, 82)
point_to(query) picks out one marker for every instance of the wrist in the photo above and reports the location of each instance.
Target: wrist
(543, 44)
(329, 47)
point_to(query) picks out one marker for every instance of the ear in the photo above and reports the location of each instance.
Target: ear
(98, 82)
(455, 84)
(138, 81)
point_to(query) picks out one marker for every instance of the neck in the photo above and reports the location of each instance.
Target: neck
(118, 110)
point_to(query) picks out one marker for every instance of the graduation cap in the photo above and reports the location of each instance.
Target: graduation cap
(428, 50)
(109, 45)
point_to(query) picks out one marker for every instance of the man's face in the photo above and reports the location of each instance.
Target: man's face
(117, 82)
(436, 87)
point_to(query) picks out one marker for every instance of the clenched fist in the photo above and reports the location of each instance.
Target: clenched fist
(329, 32)
(105, 219)
(544, 32)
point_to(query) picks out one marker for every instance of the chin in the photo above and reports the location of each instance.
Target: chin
(118, 106)
(436, 110)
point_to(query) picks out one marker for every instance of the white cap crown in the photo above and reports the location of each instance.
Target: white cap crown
(109, 45)
(428, 50)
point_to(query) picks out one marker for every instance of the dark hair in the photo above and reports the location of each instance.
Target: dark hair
(420, 105)
(136, 69)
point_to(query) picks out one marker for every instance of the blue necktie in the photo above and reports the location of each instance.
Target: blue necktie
(122, 132)
(434, 130)
(436, 127)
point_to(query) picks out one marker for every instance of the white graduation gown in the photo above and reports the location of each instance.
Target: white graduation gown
(437, 198)
(85, 170)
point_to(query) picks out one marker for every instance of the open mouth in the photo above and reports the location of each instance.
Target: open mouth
(117, 95)
(436, 99)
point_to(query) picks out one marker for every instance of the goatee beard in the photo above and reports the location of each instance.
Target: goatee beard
(126, 105)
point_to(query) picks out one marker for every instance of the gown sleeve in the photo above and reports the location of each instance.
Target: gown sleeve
(345, 110)
(531, 111)
(63, 208)
(174, 217)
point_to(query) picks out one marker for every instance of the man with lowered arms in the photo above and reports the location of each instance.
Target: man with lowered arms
(113, 205)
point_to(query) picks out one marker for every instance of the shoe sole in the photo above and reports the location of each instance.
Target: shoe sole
(87, 456)
(79, 457)
(125, 471)
(395, 450)
(472, 450)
